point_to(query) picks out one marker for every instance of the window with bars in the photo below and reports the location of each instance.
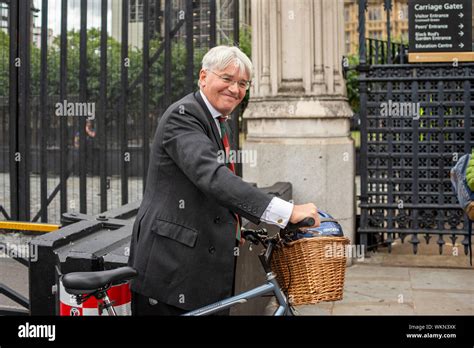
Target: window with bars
(347, 13)
(135, 11)
(347, 41)
(375, 13)
(403, 15)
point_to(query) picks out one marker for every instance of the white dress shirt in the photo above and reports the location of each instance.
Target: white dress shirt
(278, 211)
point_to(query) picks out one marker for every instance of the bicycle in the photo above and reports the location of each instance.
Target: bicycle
(83, 285)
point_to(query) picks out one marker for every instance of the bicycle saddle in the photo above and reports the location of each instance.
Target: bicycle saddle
(88, 282)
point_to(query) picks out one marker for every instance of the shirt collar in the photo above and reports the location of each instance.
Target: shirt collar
(215, 114)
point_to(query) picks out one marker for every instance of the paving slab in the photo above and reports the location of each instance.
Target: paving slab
(383, 290)
(442, 279)
(323, 308)
(377, 292)
(14, 275)
(442, 302)
(373, 309)
(358, 272)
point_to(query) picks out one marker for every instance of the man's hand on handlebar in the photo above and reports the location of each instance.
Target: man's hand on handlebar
(303, 211)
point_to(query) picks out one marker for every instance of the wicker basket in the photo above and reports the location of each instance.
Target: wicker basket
(311, 269)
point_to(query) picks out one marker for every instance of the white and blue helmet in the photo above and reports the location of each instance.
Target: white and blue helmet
(329, 227)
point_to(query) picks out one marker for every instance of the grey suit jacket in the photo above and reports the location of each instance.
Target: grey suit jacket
(184, 234)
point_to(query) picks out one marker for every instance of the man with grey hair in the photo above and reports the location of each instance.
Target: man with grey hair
(188, 223)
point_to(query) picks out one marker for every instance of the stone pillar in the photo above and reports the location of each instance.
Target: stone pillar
(298, 116)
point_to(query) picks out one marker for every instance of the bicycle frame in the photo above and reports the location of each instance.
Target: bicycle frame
(108, 305)
(103, 301)
(270, 287)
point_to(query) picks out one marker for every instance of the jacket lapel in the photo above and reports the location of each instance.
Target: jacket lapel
(215, 131)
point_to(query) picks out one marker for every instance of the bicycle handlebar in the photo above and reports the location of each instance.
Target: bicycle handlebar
(306, 222)
(290, 228)
(260, 236)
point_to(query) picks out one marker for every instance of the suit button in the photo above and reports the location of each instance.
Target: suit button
(217, 219)
(254, 211)
(212, 250)
(245, 206)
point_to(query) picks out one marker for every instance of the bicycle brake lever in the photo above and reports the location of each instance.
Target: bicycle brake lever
(249, 235)
(262, 231)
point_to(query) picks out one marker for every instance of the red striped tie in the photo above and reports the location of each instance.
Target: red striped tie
(225, 142)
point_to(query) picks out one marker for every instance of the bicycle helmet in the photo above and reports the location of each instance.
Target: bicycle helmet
(329, 227)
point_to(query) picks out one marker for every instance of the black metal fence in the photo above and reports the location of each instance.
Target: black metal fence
(379, 53)
(416, 121)
(82, 85)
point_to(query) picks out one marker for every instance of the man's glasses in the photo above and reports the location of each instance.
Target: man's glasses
(243, 84)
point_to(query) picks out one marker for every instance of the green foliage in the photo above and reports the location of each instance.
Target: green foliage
(245, 39)
(156, 77)
(4, 65)
(470, 172)
(352, 84)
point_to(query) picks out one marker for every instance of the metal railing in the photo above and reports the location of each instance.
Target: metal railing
(129, 70)
(415, 121)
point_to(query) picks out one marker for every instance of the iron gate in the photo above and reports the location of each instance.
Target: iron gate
(122, 61)
(406, 156)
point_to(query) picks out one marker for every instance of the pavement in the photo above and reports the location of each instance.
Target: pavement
(12, 273)
(15, 276)
(391, 290)
(403, 283)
